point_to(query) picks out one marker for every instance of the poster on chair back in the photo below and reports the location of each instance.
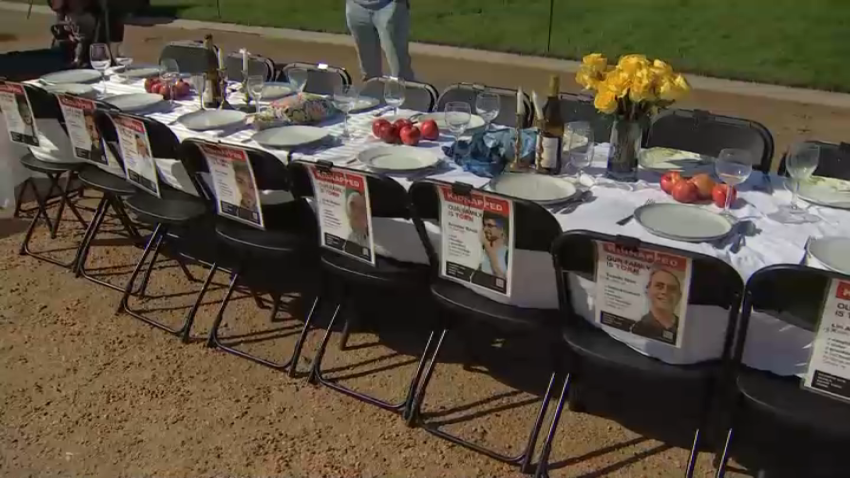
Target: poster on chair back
(478, 239)
(137, 155)
(642, 291)
(344, 211)
(84, 135)
(829, 365)
(236, 192)
(17, 110)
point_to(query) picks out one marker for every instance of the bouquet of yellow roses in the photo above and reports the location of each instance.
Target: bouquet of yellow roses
(634, 89)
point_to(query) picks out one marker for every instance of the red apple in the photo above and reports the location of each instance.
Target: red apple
(430, 130)
(182, 89)
(718, 194)
(669, 180)
(401, 123)
(151, 84)
(685, 191)
(389, 133)
(377, 125)
(704, 184)
(164, 90)
(410, 135)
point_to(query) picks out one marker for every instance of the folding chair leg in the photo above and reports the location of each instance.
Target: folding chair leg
(186, 271)
(42, 213)
(118, 207)
(212, 340)
(275, 307)
(299, 345)
(705, 409)
(20, 199)
(64, 200)
(86, 250)
(317, 360)
(186, 332)
(722, 459)
(88, 237)
(416, 405)
(154, 239)
(146, 278)
(543, 464)
(346, 331)
(528, 454)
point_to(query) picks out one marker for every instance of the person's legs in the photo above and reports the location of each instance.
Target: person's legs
(85, 25)
(366, 38)
(393, 24)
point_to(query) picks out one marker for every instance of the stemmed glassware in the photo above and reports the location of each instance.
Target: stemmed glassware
(394, 90)
(345, 96)
(733, 166)
(199, 83)
(800, 163)
(100, 59)
(255, 84)
(169, 71)
(457, 118)
(122, 55)
(578, 146)
(487, 105)
(297, 78)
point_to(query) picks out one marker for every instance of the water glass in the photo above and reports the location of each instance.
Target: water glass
(297, 78)
(394, 90)
(457, 118)
(122, 55)
(733, 166)
(578, 145)
(487, 105)
(169, 71)
(255, 85)
(345, 96)
(800, 163)
(100, 59)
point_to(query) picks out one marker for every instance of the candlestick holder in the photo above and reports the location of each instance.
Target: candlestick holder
(245, 90)
(222, 78)
(516, 164)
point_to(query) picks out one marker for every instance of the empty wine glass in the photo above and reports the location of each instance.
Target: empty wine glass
(100, 59)
(394, 90)
(457, 118)
(256, 83)
(487, 105)
(733, 166)
(169, 71)
(344, 98)
(122, 55)
(298, 79)
(800, 163)
(578, 147)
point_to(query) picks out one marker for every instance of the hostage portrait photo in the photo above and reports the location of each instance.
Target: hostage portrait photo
(495, 251)
(358, 242)
(664, 291)
(248, 208)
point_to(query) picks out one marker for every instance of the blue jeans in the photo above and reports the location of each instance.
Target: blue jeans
(386, 28)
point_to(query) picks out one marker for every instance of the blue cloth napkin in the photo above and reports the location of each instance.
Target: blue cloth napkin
(487, 153)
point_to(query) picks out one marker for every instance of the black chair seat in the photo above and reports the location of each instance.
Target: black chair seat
(596, 346)
(173, 208)
(270, 240)
(783, 397)
(386, 272)
(32, 163)
(465, 302)
(99, 179)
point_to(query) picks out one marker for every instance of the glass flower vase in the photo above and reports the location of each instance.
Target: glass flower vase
(626, 136)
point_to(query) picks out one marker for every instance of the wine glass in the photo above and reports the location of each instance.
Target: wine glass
(344, 98)
(578, 146)
(733, 166)
(800, 163)
(199, 83)
(256, 83)
(487, 105)
(394, 90)
(457, 117)
(298, 79)
(122, 55)
(169, 71)
(100, 60)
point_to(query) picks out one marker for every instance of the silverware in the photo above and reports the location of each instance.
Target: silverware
(628, 219)
(743, 229)
(381, 111)
(806, 252)
(573, 204)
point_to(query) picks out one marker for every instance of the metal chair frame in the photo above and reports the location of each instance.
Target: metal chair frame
(410, 86)
(507, 96)
(314, 69)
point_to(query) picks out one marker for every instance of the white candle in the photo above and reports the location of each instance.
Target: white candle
(520, 104)
(220, 58)
(244, 59)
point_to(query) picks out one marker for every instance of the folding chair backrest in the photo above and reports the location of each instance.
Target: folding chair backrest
(54, 143)
(706, 133)
(534, 227)
(321, 79)
(578, 108)
(417, 96)
(834, 160)
(191, 56)
(31, 64)
(257, 66)
(467, 92)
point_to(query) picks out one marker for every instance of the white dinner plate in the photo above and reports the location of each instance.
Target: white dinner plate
(540, 188)
(275, 91)
(832, 252)
(290, 136)
(682, 222)
(667, 159)
(135, 101)
(823, 191)
(398, 158)
(475, 122)
(136, 72)
(364, 103)
(72, 89)
(72, 76)
(206, 120)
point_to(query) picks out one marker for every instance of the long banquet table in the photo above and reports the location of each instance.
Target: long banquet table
(772, 344)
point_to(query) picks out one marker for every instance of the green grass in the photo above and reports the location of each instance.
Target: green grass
(792, 42)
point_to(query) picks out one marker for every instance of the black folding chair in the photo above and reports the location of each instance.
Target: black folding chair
(534, 230)
(706, 133)
(713, 282)
(467, 92)
(191, 57)
(418, 96)
(760, 400)
(29, 64)
(321, 79)
(45, 109)
(271, 260)
(257, 66)
(387, 199)
(171, 216)
(834, 160)
(580, 108)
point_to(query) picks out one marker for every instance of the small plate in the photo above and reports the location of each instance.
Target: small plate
(72, 76)
(275, 91)
(398, 158)
(137, 72)
(832, 252)
(290, 136)
(364, 103)
(539, 188)
(135, 102)
(828, 192)
(72, 89)
(681, 222)
(211, 119)
(476, 122)
(667, 159)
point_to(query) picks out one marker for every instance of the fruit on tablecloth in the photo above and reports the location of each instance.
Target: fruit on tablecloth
(718, 194)
(704, 184)
(152, 85)
(389, 133)
(401, 123)
(377, 125)
(685, 191)
(181, 89)
(164, 90)
(669, 180)
(410, 135)
(430, 130)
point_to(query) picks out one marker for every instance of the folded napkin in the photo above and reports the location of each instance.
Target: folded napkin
(300, 109)
(488, 152)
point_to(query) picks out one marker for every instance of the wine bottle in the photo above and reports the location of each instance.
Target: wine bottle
(212, 79)
(551, 131)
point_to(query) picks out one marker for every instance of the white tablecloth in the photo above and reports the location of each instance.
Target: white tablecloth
(772, 344)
